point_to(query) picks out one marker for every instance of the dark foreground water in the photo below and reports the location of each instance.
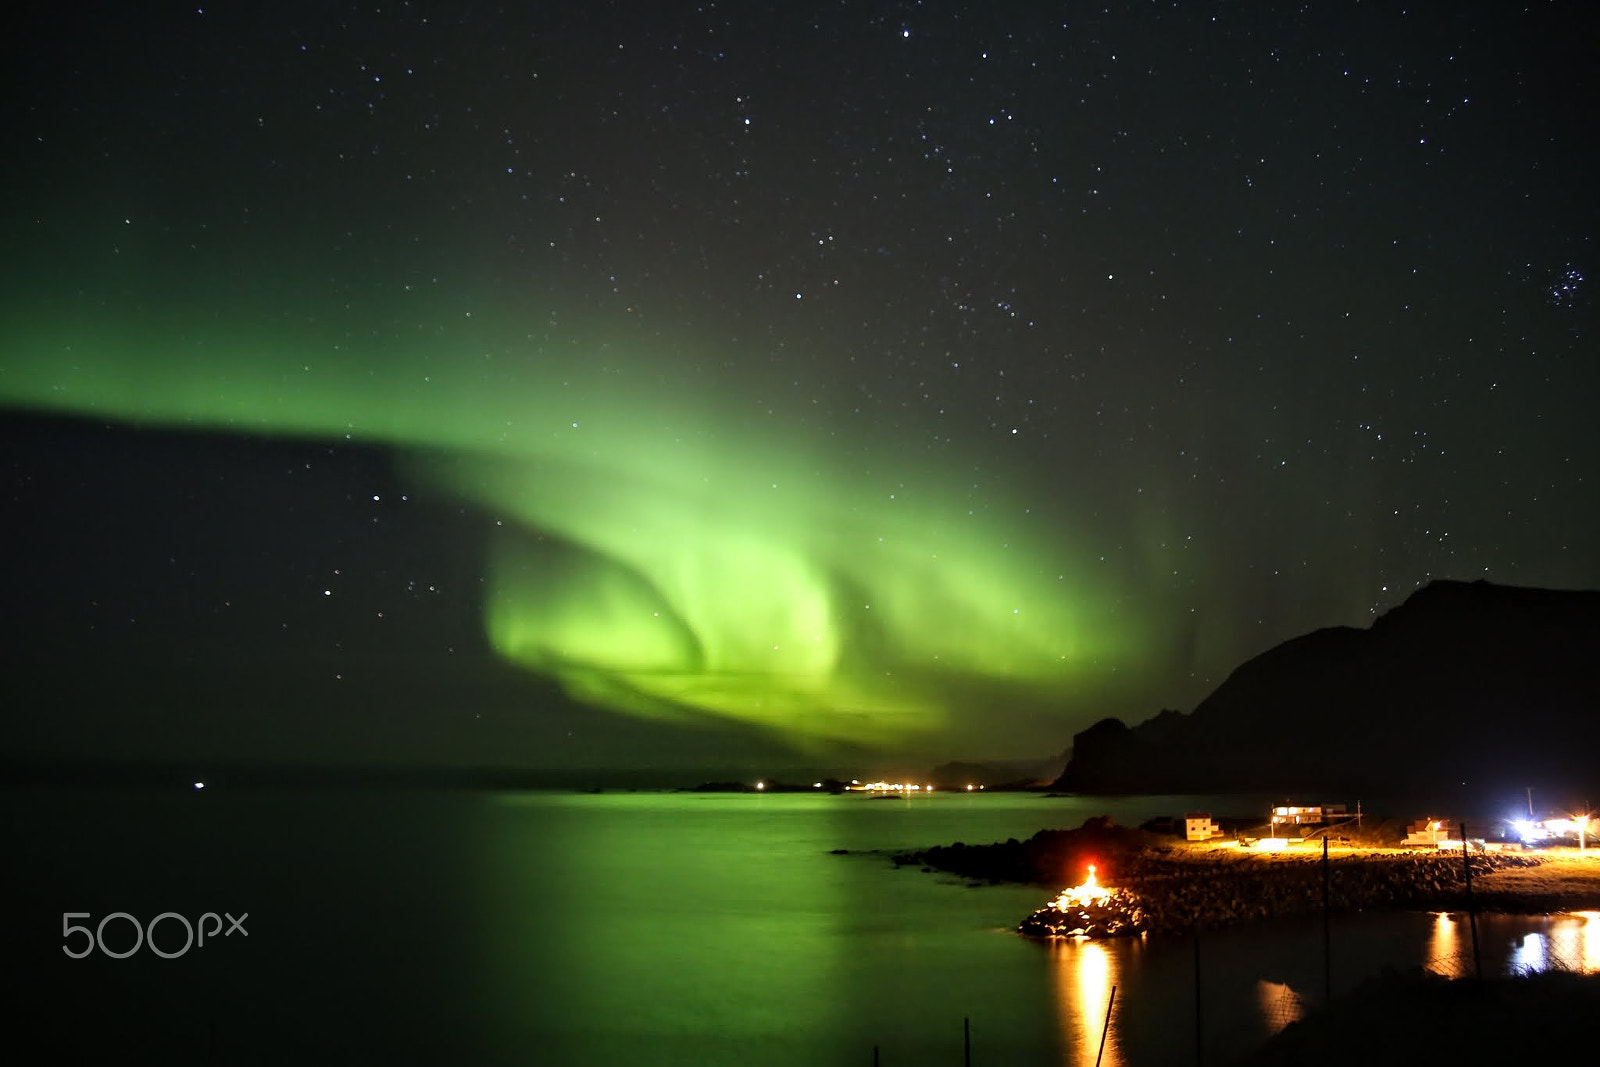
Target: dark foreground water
(456, 928)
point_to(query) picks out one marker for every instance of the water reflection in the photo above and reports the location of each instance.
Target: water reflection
(1443, 950)
(1569, 942)
(1085, 974)
(1280, 1005)
(1527, 957)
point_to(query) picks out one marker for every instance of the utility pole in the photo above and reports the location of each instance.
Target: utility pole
(1327, 928)
(1472, 912)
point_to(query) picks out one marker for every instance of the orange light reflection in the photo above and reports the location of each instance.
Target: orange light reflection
(1279, 1004)
(1444, 947)
(1085, 972)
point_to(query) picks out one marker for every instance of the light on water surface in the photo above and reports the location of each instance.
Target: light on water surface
(1567, 943)
(675, 930)
(1444, 948)
(1085, 973)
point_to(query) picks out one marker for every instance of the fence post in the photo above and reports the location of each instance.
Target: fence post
(1106, 1029)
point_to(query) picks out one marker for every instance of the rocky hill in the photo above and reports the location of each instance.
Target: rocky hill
(1474, 682)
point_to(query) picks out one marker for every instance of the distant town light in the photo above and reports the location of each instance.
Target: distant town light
(199, 785)
(856, 786)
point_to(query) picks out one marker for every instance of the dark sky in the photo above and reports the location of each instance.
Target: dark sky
(655, 384)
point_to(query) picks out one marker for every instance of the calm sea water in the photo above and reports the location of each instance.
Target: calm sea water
(648, 928)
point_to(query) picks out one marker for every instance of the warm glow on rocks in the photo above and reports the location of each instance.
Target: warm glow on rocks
(1087, 910)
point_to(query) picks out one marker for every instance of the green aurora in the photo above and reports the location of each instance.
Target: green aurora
(671, 541)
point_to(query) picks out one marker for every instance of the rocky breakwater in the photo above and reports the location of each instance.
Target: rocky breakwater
(1202, 890)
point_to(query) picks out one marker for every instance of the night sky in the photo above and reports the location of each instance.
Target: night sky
(586, 384)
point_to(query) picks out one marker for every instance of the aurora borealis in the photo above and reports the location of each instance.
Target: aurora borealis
(903, 378)
(711, 566)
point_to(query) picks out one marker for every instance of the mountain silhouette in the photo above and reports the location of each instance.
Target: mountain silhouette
(1488, 685)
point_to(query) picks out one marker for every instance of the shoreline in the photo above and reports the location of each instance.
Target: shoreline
(1180, 887)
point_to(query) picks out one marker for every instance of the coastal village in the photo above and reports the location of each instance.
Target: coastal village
(1323, 858)
(1202, 871)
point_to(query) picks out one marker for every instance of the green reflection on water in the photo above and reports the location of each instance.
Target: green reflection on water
(605, 909)
(712, 929)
